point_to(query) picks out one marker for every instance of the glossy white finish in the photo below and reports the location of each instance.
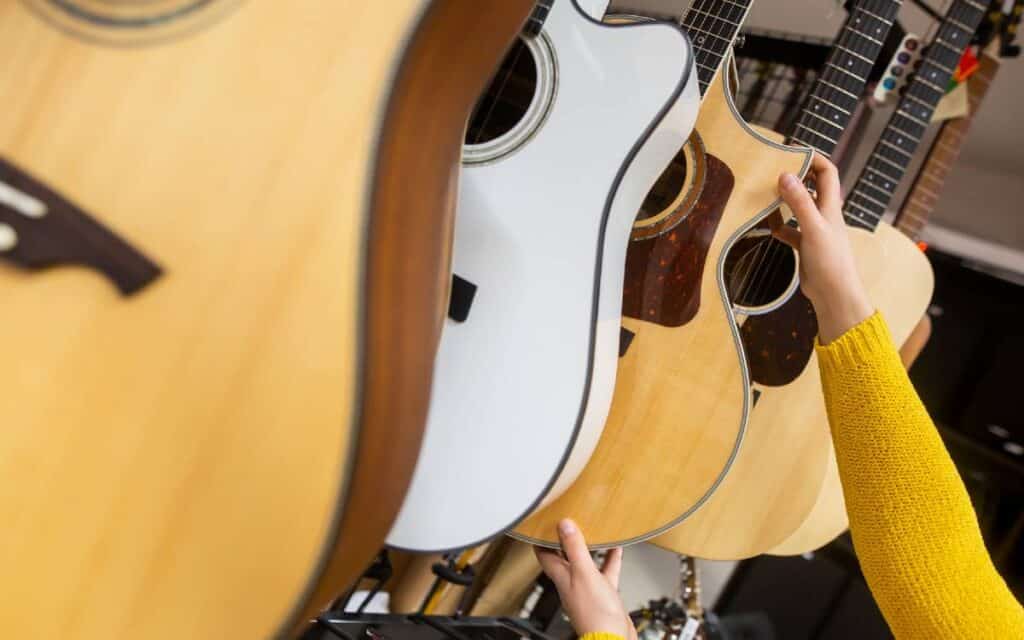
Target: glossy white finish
(543, 233)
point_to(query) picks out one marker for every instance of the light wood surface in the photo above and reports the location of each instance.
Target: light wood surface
(775, 478)
(174, 464)
(899, 281)
(658, 457)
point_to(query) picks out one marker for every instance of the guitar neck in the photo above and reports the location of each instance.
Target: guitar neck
(837, 90)
(888, 163)
(943, 154)
(713, 26)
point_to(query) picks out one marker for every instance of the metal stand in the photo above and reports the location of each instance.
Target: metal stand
(356, 626)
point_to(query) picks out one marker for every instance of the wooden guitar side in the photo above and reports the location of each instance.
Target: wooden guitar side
(899, 281)
(178, 464)
(775, 478)
(409, 268)
(657, 460)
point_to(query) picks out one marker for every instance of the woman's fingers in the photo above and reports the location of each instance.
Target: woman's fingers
(787, 234)
(574, 546)
(553, 565)
(613, 566)
(795, 194)
(826, 183)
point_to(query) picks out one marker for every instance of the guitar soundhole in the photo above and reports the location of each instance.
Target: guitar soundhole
(130, 21)
(515, 103)
(667, 188)
(507, 97)
(759, 270)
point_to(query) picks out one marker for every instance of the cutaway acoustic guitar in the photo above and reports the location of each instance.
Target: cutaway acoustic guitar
(779, 469)
(682, 367)
(827, 519)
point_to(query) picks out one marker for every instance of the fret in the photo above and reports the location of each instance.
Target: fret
(864, 204)
(932, 86)
(951, 47)
(883, 174)
(817, 133)
(708, 33)
(911, 96)
(872, 185)
(953, 21)
(942, 164)
(976, 5)
(861, 194)
(731, 25)
(830, 123)
(911, 117)
(899, 167)
(894, 147)
(874, 15)
(898, 130)
(834, 106)
(838, 68)
(837, 88)
(888, 183)
(855, 54)
(869, 212)
(864, 35)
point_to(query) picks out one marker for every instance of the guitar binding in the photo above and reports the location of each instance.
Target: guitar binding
(130, 24)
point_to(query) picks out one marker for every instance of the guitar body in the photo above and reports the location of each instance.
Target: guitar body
(899, 282)
(187, 453)
(684, 368)
(543, 221)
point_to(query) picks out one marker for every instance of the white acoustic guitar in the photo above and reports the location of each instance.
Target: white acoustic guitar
(577, 126)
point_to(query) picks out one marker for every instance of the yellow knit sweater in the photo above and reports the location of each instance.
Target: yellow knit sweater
(913, 527)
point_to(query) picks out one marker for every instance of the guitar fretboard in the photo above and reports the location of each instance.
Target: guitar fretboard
(942, 157)
(840, 84)
(713, 26)
(888, 163)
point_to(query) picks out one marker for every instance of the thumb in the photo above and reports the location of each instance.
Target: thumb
(574, 546)
(795, 194)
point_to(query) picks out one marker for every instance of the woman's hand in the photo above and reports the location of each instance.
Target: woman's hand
(828, 273)
(590, 596)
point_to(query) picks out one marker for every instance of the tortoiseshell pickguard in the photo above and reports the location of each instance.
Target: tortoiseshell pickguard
(779, 344)
(663, 273)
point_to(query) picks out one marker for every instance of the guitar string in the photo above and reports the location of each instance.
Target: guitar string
(936, 31)
(776, 254)
(768, 262)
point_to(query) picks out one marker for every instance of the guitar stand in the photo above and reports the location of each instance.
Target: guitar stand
(338, 625)
(448, 571)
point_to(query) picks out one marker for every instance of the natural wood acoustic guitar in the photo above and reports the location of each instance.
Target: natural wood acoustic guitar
(778, 471)
(827, 519)
(682, 366)
(212, 407)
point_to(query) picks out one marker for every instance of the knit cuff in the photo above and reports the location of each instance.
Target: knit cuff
(867, 341)
(601, 635)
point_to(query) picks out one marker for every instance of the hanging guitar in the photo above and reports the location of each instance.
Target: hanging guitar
(682, 366)
(776, 476)
(575, 128)
(208, 245)
(827, 520)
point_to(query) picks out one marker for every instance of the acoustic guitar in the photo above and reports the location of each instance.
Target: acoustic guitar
(223, 227)
(778, 471)
(574, 129)
(827, 519)
(895, 273)
(682, 366)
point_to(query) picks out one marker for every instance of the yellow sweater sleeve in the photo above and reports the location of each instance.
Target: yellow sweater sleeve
(913, 527)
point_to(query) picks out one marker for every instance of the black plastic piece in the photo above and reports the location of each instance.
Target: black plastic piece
(463, 292)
